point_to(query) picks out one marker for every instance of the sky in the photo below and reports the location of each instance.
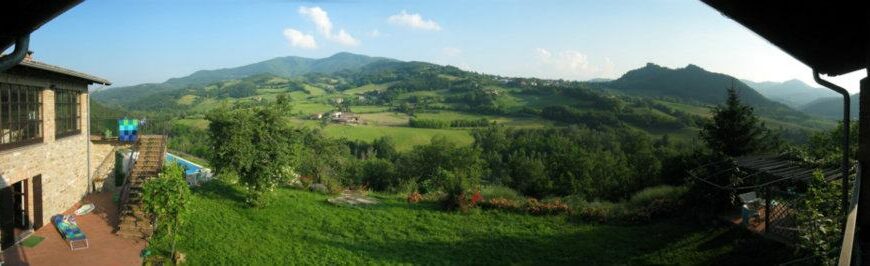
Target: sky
(149, 41)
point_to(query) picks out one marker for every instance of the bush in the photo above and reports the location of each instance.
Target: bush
(661, 193)
(166, 198)
(505, 204)
(456, 187)
(549, 207)
(494, 192)
(380, 174)
(645, 205)
(601, 211)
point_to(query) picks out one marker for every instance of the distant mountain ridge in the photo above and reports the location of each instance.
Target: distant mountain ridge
(289, 66)
(831, 107)
(694, 84)
(794, 93)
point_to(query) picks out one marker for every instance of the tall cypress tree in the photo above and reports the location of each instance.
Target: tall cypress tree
(735, 130)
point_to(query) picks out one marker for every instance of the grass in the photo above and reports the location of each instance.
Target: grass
(385, 119)
(194, 123)
(314, 91)
(405, 137)
(364, 109)
(368, 87)
(299, 227)
(311, 107)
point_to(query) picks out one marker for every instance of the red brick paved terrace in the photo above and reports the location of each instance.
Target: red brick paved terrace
(106, 248)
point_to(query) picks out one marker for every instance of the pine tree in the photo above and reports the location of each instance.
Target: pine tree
(735, 130)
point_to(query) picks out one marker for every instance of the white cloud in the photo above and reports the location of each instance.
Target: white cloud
(321, 20)
(451, 51)
(299, 39)
(415, 21)
(344, 38)
(375, 33)
(570, 64)
(319, 17)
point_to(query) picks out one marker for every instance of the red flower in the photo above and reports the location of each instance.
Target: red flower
(476, 198)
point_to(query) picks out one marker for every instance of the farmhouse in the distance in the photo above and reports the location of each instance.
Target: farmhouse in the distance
(46, 157)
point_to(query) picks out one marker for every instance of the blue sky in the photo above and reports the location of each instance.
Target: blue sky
(132, 42)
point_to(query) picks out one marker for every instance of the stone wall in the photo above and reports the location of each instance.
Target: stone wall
(103, 166)
(62, 162)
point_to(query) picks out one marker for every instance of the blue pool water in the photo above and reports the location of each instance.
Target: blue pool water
(189, 167)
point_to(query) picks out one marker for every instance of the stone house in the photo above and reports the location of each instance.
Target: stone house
(46, 157)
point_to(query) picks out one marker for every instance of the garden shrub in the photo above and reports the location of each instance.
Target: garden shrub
(548, 207)
(414, 197)
(821, 219)
(645, 205)
(601, 211)
(493, 191)
(456, 190)
(166, 198)
(504, 204)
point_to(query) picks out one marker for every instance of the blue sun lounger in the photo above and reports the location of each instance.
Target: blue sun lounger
(69, 229)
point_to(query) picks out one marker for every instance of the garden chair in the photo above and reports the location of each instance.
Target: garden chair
(69, 229)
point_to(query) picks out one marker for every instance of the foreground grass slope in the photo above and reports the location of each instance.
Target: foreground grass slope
(299, 227)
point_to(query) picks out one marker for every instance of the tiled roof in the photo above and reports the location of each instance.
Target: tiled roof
(63, 71)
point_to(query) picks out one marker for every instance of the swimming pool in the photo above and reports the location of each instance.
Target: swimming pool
(189, 167)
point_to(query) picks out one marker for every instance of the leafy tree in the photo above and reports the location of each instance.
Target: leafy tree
(255, 144)
(379, 174)
(427, 163)
(328, 161)
(385, 148)
(167, 199)
(735, 130)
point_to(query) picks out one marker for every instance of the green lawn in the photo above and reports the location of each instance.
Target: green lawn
(314, 91)
(299, 227)
(404, 137)
(311, 107)
(369, 87)
(195, 123)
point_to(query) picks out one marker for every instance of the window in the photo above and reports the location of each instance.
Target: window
(66, 113)
(20, 115)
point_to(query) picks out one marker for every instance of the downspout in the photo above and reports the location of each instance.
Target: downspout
(88, 143)
(846, 129)
(11, 60)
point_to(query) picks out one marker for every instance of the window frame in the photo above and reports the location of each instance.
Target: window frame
(30, 123)
(71, 119)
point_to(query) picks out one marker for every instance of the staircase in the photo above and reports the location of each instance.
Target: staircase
(134, 222)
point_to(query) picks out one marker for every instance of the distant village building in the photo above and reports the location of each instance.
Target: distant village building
(339, 117)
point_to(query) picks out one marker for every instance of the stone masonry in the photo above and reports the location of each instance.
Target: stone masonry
(62, 163)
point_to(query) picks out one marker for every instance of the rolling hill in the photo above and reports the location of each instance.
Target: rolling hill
(290, 66)
(794, 93)
(388, 93)
(695, 85)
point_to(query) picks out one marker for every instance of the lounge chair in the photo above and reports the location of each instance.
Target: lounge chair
(69, 229)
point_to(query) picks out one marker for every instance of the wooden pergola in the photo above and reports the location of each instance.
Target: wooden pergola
(774, 184)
